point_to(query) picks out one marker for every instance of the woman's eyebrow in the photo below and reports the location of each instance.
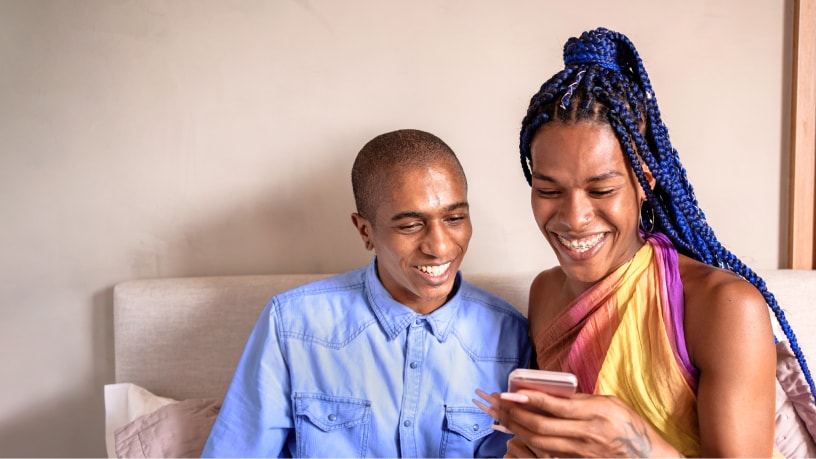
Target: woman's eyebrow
(542, 177)
(597, 178)
(606, 176)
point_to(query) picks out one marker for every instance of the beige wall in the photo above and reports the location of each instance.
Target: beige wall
(152, 138)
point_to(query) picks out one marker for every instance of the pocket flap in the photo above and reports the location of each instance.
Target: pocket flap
(471, 423)
(330, 413)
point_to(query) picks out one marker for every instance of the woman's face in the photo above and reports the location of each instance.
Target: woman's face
(585, 198)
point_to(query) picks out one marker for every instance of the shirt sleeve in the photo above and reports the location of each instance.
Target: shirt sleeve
(256, 417)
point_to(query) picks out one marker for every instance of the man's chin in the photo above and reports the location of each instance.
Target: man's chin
(434, 297)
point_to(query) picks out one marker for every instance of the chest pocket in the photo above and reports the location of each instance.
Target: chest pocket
(331, 426)
(465, 427)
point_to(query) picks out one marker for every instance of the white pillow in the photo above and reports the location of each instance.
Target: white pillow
(125, 402)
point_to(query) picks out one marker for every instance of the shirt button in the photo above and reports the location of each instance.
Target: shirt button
(475, 427)
(414, 365)
(418, 321)
(332, 417)
(407, 423)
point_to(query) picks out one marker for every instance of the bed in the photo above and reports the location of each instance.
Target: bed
(178, 340)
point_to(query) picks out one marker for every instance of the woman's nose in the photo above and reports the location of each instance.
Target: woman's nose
(576, 211)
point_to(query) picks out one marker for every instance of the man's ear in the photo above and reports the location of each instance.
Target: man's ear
(364, 228)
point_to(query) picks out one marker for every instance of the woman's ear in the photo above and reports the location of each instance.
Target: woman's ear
(647, 174)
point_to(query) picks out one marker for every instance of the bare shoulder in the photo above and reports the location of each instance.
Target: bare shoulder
(545, 295)
(548, 279)
(720, 306)
(705, 284)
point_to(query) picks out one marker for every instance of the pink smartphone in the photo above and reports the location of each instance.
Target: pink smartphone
(557, 383)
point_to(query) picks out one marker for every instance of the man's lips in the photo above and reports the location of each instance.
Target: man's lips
(434, 270)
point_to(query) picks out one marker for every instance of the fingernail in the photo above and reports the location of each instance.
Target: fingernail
(514, 397)
(501, 428)
(481, 405)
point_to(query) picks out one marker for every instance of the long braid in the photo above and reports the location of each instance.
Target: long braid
(604, 79)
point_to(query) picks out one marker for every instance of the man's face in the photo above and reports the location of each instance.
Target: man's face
(420, 233)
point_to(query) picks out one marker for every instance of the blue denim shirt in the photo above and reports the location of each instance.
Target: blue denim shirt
(338, 368)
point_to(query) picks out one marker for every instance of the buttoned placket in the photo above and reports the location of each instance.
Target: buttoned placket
(412, 374)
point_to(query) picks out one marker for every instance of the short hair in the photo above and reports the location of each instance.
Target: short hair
(604, 80)
(392, 152)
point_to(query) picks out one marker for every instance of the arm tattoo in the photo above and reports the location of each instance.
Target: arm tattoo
(635, 443)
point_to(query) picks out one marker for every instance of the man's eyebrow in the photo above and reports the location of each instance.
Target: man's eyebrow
(457, 206)
(450, 208)
(598, 178)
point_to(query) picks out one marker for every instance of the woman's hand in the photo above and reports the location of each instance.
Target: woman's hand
(583, 426)
(517, 449)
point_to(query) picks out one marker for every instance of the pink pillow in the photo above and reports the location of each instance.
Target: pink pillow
(795, 410)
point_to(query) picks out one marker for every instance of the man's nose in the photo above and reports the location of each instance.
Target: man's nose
(436, 240)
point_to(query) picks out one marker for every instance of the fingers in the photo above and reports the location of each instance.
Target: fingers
(517, 449)
(492, 399)
(482, 406)
(501, 428)
(580, 406)
(533, 418)
(515, 397)
(491, 410)
(528, 415)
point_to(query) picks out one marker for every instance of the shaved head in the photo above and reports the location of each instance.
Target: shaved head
(391, 153)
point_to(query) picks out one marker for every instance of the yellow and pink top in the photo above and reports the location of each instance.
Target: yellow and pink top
(624, 337)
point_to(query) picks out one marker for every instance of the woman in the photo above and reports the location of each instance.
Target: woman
(672, 346)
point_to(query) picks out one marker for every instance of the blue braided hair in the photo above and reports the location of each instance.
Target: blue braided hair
(604, 80)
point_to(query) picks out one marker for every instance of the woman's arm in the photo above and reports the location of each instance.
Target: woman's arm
(730, 340)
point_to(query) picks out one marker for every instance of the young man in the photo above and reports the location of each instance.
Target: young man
(381, 361)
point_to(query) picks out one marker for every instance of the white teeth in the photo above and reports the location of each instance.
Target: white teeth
(435, 270)
(582, 245)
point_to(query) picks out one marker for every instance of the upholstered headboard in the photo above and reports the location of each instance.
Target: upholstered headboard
(182, 337)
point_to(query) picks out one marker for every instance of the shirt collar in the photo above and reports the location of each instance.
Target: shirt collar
(394, 317)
